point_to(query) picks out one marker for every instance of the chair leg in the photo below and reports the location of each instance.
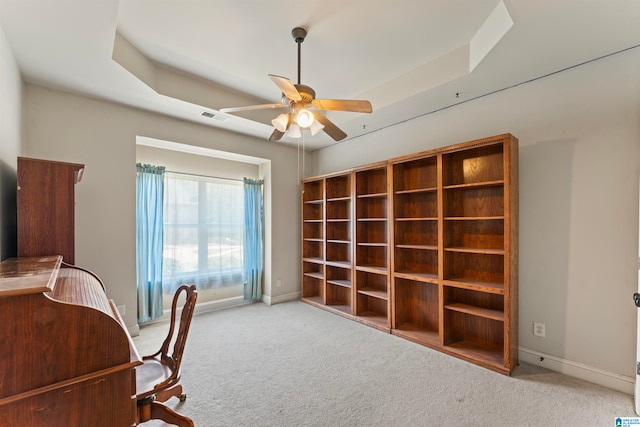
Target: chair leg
(168, 415)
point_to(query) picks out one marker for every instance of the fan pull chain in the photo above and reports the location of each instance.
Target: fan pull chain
(298, 168)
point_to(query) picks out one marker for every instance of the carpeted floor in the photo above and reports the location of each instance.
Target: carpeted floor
(292, 364)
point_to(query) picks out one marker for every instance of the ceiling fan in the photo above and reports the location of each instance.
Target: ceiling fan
(303, 106)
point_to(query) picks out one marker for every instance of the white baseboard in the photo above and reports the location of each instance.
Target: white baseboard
(203, 307)
(221, 304)
(281, 298)
(134, 330)
(607, 379)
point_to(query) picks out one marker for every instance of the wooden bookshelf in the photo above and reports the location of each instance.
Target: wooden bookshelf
(372, 247)
(424, 246)
(327, 216)
(313, 289)
(415, 251)
(479, 241)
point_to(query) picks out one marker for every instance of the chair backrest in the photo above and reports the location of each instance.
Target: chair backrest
(178, 336)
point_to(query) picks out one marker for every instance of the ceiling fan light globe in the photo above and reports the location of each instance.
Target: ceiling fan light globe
(304, 118)
(316, 127)
(281, 122)
(294, 131)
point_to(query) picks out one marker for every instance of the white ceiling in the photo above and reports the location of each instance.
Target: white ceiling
(408, 57)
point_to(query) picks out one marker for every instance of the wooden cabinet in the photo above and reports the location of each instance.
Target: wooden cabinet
(46, 203)
(424, 246)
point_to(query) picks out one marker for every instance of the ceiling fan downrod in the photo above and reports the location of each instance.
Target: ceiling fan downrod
(299, 34)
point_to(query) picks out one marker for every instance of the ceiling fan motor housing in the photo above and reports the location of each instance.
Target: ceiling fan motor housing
(299, 34)
(306, 93)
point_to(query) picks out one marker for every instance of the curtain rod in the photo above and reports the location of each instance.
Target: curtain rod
(204, 176)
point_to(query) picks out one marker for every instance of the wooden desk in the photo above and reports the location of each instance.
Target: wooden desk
(66, 358)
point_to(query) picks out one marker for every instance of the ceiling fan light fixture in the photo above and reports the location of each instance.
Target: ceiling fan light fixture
(294, 131)
(304, 118)
(281, 122)
(298, 98)
(316, 127)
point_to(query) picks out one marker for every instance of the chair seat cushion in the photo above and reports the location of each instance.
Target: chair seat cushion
(151, 373)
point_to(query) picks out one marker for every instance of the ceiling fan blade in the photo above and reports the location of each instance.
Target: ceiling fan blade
(250, 107)
(343, 105)
(287, 87)
(276, 135)
(329, 127)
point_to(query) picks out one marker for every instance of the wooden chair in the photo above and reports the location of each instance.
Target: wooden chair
(157, 379)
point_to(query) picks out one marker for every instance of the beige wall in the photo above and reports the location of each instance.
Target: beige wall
(102, 135)
(11, 93)
(579, 135)
(177, 161)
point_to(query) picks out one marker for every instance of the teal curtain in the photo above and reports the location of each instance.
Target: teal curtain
(149, 240)
(253, 239)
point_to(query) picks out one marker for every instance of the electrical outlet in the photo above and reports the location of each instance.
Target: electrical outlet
(278, 283)
(539, 329)
(122, 309)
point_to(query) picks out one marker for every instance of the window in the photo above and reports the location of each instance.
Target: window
(203, 232)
